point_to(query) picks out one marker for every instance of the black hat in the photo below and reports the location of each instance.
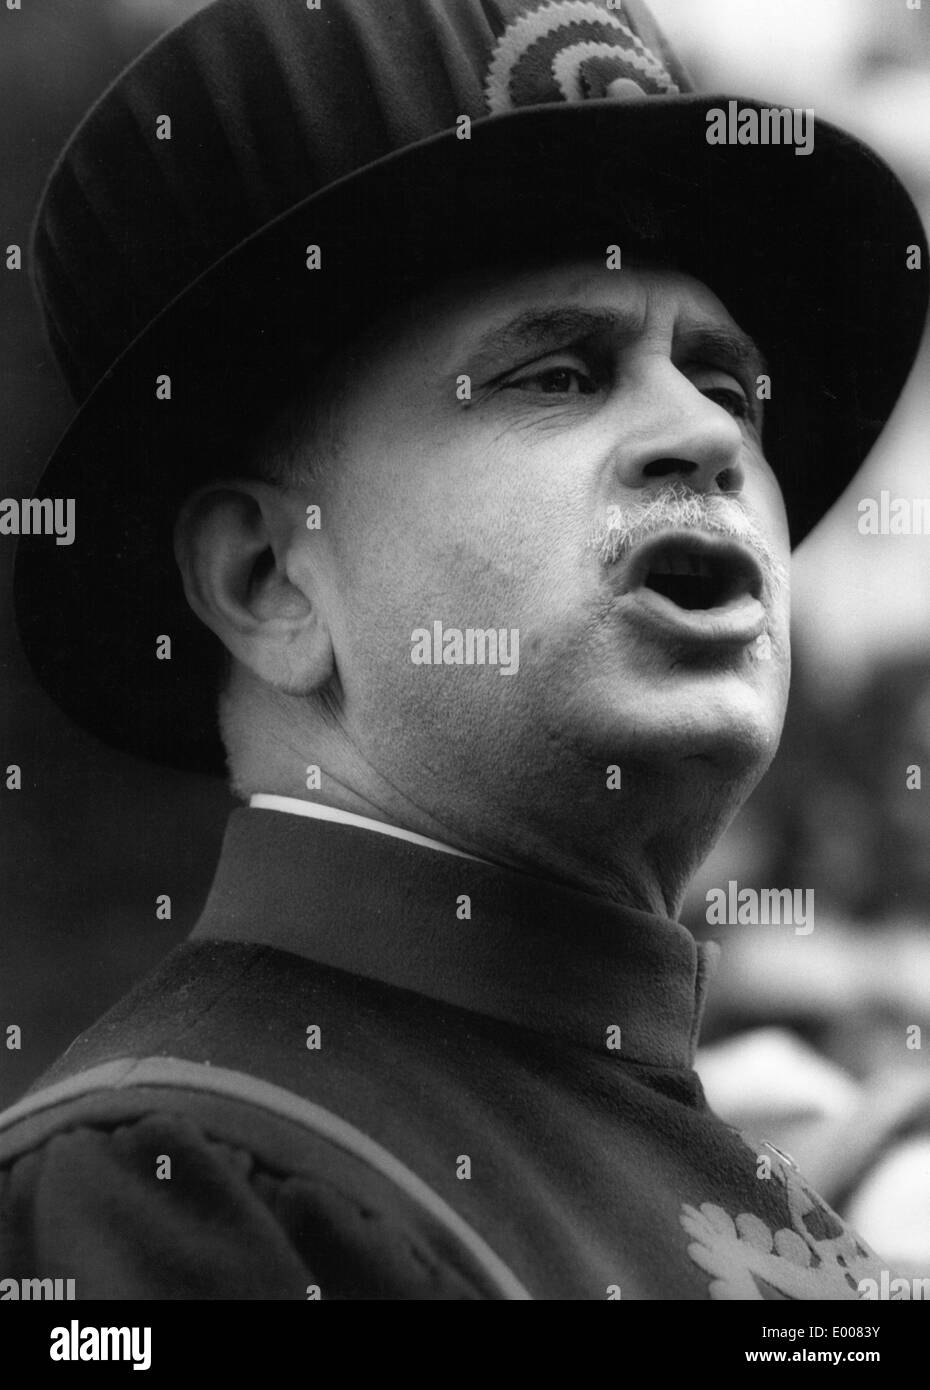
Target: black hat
(172, 241)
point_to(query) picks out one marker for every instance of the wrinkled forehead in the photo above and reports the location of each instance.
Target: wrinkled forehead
(508, 306)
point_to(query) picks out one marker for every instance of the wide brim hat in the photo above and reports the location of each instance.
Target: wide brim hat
(173, 241)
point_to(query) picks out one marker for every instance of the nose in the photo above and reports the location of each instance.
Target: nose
(679, 434)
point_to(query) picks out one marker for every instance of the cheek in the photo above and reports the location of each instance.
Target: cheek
(415, 544)
(465, 515)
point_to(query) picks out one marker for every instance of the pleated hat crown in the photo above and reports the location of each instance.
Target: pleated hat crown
(250, 108)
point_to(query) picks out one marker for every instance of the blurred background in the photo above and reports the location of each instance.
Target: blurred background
(803, 1031)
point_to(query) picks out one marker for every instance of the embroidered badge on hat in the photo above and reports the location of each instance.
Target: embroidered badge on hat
(571, 50)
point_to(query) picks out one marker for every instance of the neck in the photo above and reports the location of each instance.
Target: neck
(643, 855)
(555, 815)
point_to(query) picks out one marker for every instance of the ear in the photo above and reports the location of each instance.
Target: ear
(249, 565)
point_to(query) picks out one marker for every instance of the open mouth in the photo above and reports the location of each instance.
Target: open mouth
(695, 574)
(695, 588)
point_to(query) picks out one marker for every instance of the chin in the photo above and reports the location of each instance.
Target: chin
(730, 722)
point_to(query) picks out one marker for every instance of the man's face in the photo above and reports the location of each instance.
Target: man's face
(591, 392)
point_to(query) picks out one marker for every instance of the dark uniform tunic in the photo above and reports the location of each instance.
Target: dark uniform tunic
(374, 1094)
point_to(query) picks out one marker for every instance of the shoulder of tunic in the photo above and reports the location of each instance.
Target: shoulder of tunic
(137, 1194)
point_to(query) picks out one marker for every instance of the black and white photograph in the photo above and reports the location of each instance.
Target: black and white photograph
(465, 647)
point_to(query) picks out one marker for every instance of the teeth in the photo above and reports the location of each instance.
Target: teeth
(670, 564)
(679, 563)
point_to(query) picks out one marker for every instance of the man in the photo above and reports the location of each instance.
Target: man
(439, 337)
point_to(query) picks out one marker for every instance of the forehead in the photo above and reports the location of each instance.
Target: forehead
(510, 307)
(638, 283)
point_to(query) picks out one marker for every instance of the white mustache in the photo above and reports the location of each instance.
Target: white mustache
(676, 507)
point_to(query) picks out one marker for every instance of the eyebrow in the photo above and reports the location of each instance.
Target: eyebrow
(724, 345)
(533, 330)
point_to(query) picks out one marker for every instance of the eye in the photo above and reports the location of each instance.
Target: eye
(561, 380)
(733, 399)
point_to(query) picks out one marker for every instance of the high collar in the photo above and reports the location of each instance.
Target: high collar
(534, 953)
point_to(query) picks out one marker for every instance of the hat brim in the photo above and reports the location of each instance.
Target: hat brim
(807, 251)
